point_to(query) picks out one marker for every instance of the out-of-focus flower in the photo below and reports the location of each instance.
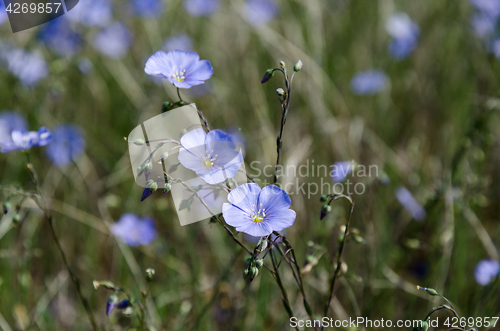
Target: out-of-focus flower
(260, 12)
(485, 271)
(3, 13)
(487, 7)
(213, 156)
(114, 40)
(184, 69)
(60, 37)
(85, 66)
(10, 121)
(178, 41)
(340, 170)
(29, 67)
(148, 8)
(404, 33)
(484, 25)
(134, 231)
(23, 140)
(91, 13)
(111, 304)
(201, 7)
(369, 82)
(258, 212)
(407, 200)
(67, 144)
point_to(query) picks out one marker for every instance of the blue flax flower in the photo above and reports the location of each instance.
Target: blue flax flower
(3, 13)
(213, 156)
(407, 200)
(134, 231)
(369, 82)
(179, 41)
(10, 121)
(113, 41)
(148, 8)
(91, 13)
(67, 144)
(259, 12)
(340, 170)
(488, 7)
(258, 212)
(404, 33)
(184, 69)
(485, 271)
(484, 25)
(23, 140)
(60, 37)
(201, 7)
(28, 67)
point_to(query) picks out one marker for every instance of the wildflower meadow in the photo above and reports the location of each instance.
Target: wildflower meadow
(250, 165)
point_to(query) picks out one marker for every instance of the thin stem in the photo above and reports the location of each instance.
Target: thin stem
(339, 259)
(50, 220)
(286, 302)
(179, 94)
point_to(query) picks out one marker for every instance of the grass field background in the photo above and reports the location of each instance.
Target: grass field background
(435, 130)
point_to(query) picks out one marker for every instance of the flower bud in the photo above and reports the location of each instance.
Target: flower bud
(6, 207)
(16, 219)
(111, 304)
(152, 185)
(259, 263)
(263, 245)
(323, 198)
(148, 167)
(150, 272)
(297, 66)
(280, 92)
(430, 291)
(325, 210)
(282, 65)
(246, 273)
(267, 76)
(139, 170)
(166, 106)
(123, 304)
(253, 273)
(138, 142)
(166, 187)
(359, 240)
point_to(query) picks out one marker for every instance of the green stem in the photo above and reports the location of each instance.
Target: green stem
(50, 220)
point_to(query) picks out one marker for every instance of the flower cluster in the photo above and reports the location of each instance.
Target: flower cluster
(23, 140)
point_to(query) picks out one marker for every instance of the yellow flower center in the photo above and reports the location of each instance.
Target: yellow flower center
(179, 75)
(209, 161)
(259, 215)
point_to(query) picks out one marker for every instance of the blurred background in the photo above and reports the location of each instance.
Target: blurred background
(408, 86)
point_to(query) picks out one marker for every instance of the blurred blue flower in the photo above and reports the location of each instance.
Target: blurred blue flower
(29, 67)
(178, 41)
(485, 271)
(91, 13)
(260, 12)
(340, 170)
(404, 33)
(213, 156)
(258, 212)
(369, 82)
(60, 37)
(85, 66)
(148, 8)
(134, 231)
(201, 7)
(484, 25)
(10, 121)
(113, 41)
(411, 205)
(3, 13)
(487, 7)
(23, 140)
(184, 69)
(67, 144)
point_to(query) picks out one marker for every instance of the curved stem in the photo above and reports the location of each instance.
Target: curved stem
(50, 220)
